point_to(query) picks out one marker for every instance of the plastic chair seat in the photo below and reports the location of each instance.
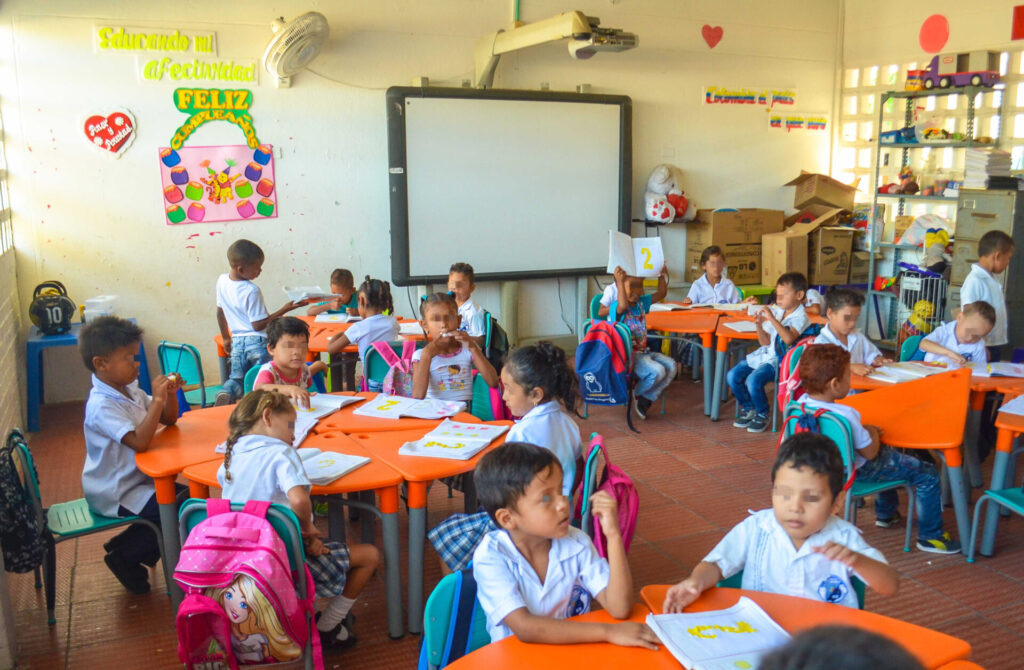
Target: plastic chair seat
(861, 489)
(1011, 499)
(195, 396)
(74, 517)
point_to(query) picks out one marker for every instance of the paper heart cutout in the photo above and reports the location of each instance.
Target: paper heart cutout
(712, 35)
(113, 133)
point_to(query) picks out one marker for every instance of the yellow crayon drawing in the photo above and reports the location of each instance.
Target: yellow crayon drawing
(446, 445)
(740, 627)
(387, 404)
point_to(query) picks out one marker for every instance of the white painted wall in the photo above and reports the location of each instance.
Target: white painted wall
(97, 224)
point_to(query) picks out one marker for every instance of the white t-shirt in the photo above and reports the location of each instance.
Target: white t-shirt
(262, 468)
(945, 336)
(376, 328)
(242, 303)
(760, 547)
(812, 297)
(451, 376)
(861, 349)
(861, 437)
(548, 425)
(471, 318)
(610, 294)
(797, 320)
(110, 477)
(724, 292)
(506, 581)
(981, 285)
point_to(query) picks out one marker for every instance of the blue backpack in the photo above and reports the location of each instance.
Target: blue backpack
(603, 363)
(453, 623)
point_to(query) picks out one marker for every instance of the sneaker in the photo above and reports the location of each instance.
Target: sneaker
(888, 523)
(132, 577)
(744, 419)
(223, 398)
(640, 406)
(940, 545)
(758, 424)
(331, 637)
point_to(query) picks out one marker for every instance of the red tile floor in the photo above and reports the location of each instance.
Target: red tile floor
(696, 479)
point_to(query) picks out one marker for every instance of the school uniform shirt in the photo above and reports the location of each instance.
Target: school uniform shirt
(981, 285)
(262, 468)
(760, 547)
(270, 374)
(635, 319)
(861, 437)
(471, 318)
(724, 292)
(610, 294)
(812, 297)
(376, 328)
(547, 425)
(451, 376)
(945, 336)
(506, 581)
(797, 320)
(110, 477)
(242, 303)
(861, 349)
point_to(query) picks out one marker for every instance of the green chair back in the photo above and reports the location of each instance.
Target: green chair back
(481, 403)
(910, 348)
(595, 304)
(280, 517)
(375, 368)
(859, 587)
(250, 380)
(437, 619)
(743, 295)
(184, 360)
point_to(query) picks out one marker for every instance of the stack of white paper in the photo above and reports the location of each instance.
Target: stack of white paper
(454, 440)
(980, 164)
(726, 639)
(324, 317)
(300, 293)
(323, 467)
(395, 407)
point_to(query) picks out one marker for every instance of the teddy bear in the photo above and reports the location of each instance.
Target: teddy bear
(664, 201)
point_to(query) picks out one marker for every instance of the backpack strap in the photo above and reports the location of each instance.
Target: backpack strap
(387, 353)
(215, 506)
(256, 508)
(460, 627)
(408, 349)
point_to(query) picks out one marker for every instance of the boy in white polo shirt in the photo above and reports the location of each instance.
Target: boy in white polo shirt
(537, 570)
(842, 307)
(120, 420)
(798, 547)
(995, 249)
(961, 341)
(461, 284)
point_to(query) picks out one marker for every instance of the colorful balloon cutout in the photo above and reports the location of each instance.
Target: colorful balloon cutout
(934, 33)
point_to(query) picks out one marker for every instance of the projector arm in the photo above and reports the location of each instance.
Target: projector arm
(488, 49)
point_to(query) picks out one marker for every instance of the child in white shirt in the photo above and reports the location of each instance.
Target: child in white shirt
(261, 464)
(712, 286)
(995, 249)
(377, 324)
(242, 317)
(962, 341)
(120, 421)
(814, 302)
(444, 368)
(842, 307)
(540, 387)
(461, 284)
(537, 570)
(287, 372)
(343, 285)
(798, 547)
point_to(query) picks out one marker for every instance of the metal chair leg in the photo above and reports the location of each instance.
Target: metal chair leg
(50, 578)
(974, 526)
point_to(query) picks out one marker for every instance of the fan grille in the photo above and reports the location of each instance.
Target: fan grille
(296, 44)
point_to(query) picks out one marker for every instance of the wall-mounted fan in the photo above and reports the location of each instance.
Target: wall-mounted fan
(294, 46)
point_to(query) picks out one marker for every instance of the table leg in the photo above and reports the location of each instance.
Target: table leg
(167, 498)
(225, 368)
(335, 519)
(716, 393)
(417, 539)
(708, 381)
(393, 575)
(469, 504)
(1004, 445)
(334, 363)
(348, 366)
(958, 491)
(971, 430)
(34, 365)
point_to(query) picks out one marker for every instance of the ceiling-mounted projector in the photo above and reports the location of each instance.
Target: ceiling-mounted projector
(601, 39)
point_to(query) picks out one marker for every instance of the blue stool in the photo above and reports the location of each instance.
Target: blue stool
(34, 346)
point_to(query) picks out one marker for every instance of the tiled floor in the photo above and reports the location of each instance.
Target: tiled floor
(696, 479)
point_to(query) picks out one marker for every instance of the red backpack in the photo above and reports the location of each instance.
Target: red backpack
(618, 485)
(789, 383)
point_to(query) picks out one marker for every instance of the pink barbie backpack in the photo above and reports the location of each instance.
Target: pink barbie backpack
(221, 550)
(398, 380)
(618, 484)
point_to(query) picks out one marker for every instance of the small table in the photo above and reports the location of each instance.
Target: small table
(374, 476)
(418, 472)
(36, 343)
(795, 614)
(1009, 427)
(695, 322)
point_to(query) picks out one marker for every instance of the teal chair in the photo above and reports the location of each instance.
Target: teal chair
(837, 428)
(67, 521)
(910, 350)
(250, 380)
(438, 641)
(286, 524)
(480, 406)
(375, 368)
(736, 582)
(595, 304)
(1011, 499)
(184, 360)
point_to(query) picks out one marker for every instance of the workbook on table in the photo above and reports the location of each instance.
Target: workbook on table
(725, 306)
(324, 317)
(300, 293)
(906, 371)
(323, 467)
(742, 326)
(395, 407)
(669, 307)
(410, 328)
(1015, 406)
(322, 404)
(726, 639)
(639, 257)
(452, 439)
(997, 369)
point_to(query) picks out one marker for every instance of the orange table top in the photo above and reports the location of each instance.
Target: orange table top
(373, 475)
(1011, 386)
(191, 440)
(347, 421)
(513, 654)
(419, 468)
(795, 614)
(694, 322)
(928, 413)
(320, 335)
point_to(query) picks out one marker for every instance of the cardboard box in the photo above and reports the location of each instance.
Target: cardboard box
(900, 225)
(860, 262)
(819, 189)
(818, 248)
(737, 232)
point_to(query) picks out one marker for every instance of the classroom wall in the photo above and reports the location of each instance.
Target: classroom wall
(12, 363)
(97, 225)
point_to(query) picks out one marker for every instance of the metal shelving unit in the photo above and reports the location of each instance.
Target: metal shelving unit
(883, 305)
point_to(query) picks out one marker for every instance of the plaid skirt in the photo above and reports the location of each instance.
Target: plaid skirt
(457, 537)
(330, 571)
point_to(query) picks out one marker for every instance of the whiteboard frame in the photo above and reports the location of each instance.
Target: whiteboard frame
(398, 172)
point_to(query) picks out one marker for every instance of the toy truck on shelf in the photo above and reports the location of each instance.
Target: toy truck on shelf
(974, 68)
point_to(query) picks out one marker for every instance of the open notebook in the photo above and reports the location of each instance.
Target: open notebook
(997, 369)
(452, 439)
(323, 467)
(726, 639)
(906, 371)
(300, 293)
(395, 407)
(324, 317)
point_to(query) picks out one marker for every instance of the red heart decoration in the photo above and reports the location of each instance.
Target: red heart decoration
(113, 133)
(712, 35)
